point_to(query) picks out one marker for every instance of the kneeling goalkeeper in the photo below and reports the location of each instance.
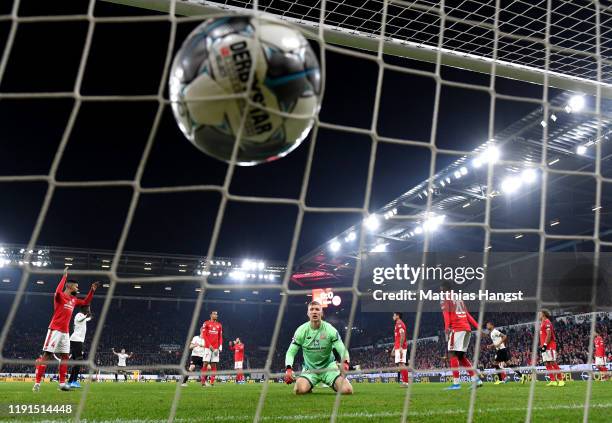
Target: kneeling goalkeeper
(322, 348)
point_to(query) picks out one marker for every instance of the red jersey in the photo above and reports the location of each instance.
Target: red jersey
(63, 305)
(456, 316)
(212, 334)
(399, 327)
(600, 349)
(545, 326)
(238, 351)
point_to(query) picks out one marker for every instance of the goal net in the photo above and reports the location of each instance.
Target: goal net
(504, 109)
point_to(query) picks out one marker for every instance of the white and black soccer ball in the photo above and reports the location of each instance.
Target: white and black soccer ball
(215, 63)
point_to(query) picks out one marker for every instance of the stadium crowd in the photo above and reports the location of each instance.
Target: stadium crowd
(143, 327)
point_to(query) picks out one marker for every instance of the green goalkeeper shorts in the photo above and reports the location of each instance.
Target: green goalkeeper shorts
(328, 378)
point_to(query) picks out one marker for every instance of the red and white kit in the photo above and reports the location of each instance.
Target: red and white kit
(212, 334)
(459, 321)
(238, 355)
(551, 348)
(58, 338)
(400, 350)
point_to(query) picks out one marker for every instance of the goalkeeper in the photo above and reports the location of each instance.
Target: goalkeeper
(322, 348)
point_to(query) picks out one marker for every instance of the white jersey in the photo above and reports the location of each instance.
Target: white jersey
(199, 350)
(80, 327)
(496, 337)
(122, 357)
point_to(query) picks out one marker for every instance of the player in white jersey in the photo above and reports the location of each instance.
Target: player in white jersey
(502, 356)
(76, 343)
(122, 362)
(197, 356)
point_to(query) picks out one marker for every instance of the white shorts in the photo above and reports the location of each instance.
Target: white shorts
(210, 357)
(238, 365)
(57, 342)
(600, 361)
(459, 341)
(549, 355)
(400, 356)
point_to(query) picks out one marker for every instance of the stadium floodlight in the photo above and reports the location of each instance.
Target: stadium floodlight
(351, 237)
(581, 150)
(379, 248)
(334, 246)
(576, 103)
(457, 174)
(463, 170)
(511, 184)
(528, 176)
(442, 183)
(261, 265)
(247, 264)
(433, 223)
(477, 162)
(418, 230)
(372, 222)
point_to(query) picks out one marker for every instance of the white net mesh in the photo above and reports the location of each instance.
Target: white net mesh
(564, 41)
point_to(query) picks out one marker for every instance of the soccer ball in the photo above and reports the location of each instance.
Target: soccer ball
(209, 80)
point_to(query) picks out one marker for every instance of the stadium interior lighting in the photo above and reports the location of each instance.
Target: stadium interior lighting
(418, 230)
(147, 268)
(372, 222)
(6, 280)
(227, 291)
(553, 117)
(335, 245)
(106, 285)
(105, 266)
(511, 184)
(528, 176)
(67, 264)
(553, 161)
(137, 286)
(268, 300)
(182, 270)
(198, 290)
(443, 184)
(448, 180)
(595, 208)
(581, 150)
(379, 248)
(255, 292)
(457, 174)
(168, 288)
(555, 222)
(518, 236)
(243, 299)
(40, 282)
(576, 103)
(477, 162)
(463, 170)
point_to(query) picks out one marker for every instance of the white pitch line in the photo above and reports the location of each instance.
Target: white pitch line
(351, 415)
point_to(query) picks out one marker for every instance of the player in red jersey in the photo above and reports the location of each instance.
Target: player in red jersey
(458, 324)
(548, 348)
(57, 341)
(212, 334)
(600, 352)
(238, 348)
(400, 347)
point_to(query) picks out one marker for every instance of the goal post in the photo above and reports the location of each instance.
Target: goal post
(426, 52)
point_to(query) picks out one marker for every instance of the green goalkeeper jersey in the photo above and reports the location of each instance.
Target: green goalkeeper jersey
(319, 346)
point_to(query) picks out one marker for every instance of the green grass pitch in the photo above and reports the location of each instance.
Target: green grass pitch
(380, 402)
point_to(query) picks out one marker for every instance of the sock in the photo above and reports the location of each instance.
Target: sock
(549, 369)
(502, 376)
(203, 375)
(604, 371)
(558, 374)
(466, 363)
(213, 373)
(404, 374)
(240, 376)
(116, 377)
(63, 369)
(40, 371)
(185, 378)
(454, 363)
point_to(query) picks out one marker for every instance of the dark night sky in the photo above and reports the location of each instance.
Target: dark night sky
(108, 140)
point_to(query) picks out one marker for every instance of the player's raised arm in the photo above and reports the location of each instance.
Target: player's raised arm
(89, 297)
(114, 352)
(62, 283)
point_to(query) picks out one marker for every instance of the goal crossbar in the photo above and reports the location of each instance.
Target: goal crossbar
(396, 47)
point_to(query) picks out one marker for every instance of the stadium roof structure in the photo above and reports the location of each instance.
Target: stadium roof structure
(458, 193)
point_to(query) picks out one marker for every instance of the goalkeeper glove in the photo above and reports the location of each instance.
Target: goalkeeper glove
(543, 348)
(289, 375)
